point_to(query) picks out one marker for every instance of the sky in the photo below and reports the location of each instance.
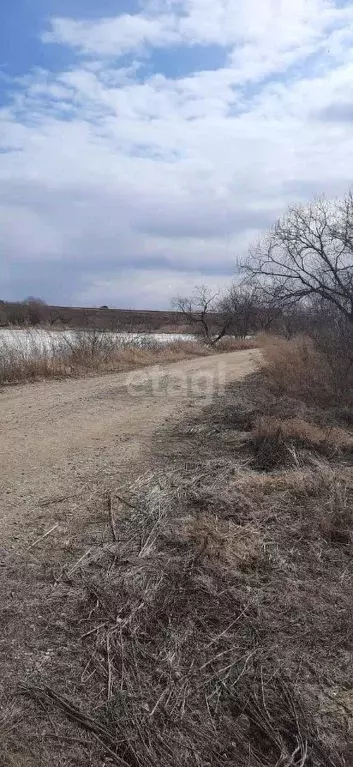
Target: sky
(145, 145)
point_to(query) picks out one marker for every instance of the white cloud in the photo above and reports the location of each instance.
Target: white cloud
(139, 288)
(105, 168)
(273, 24)
(23, 230)
(113, 37)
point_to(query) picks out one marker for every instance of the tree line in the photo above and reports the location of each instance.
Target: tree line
(297, 278)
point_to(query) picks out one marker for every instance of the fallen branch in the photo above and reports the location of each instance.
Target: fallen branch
(57, 499)
(41, 538)
(127, 503)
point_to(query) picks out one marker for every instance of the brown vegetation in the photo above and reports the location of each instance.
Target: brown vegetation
(204, 616)
(85, 354)
(92, 353)
(231, 344)
(275, 440)
(210, 621)
(299, 368)
(36, 312)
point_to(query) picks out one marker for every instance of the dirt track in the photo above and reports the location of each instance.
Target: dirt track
(59, 439)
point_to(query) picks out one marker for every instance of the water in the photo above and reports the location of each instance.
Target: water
(40, 339)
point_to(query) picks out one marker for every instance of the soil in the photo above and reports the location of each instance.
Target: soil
(65, 446)
(59, 440)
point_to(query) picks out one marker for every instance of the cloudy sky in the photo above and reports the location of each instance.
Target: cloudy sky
(143, 145)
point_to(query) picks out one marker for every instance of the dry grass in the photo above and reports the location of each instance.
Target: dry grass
(275, 440)
(204, 634)
(298, 369)
(86, 353)
(17, 366)
(210, 622)
(207, 620)
(229, 344)
(92, 352)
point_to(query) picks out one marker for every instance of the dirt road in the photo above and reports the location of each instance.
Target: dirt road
(59, 439)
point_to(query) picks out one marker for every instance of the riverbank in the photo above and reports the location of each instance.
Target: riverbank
(33, 355)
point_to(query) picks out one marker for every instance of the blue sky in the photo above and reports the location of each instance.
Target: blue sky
(144, 146)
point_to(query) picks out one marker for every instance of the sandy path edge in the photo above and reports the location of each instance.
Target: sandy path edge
(62, 438)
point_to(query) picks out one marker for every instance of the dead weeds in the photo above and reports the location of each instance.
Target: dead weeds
(91, 352)
(275, 441)
(210, 624)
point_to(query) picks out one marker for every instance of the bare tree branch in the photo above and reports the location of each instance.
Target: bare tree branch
(308, 253)
(204, 314)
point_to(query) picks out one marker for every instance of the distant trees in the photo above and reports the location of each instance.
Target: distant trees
(3, 319)
(16, 313)
(239, 304)
(297, 279)
(36, 313)
(249, 309)
(31, 311)
(33, 300)
(240, 311)
(203, 314)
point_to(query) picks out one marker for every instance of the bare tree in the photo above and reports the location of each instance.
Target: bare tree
(34, 300)
(250, 309)
(36, 310)
(241, 305)
(204, 314)
(308, 253)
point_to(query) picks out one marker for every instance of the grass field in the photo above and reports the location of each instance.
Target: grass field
(131, 320)
(212, 625)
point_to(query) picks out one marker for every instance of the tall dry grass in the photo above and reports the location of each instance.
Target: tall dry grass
(230, 344)
(92, 352)
(309, 395)
(31, 362)
(297, 368)
(278, 442)
(85, 353)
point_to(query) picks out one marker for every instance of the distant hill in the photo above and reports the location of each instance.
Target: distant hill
(34, 313)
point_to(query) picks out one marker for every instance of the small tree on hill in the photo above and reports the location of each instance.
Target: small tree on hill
(35, 310)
